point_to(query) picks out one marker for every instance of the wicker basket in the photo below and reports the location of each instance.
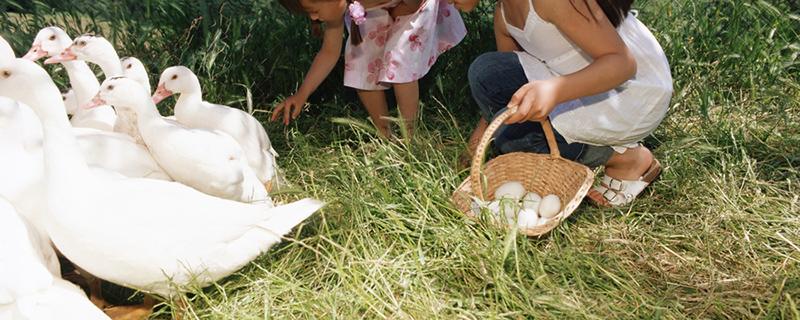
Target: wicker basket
(540, 173)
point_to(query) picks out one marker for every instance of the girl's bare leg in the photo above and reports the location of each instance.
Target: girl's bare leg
(375, 103)
(407, 95)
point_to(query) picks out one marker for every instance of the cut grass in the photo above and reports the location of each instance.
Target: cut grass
(718, 236)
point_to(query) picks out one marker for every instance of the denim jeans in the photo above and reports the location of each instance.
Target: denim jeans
(494, 77)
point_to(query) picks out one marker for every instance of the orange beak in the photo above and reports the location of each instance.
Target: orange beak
(66, 55)
(96, 102)
(161, 93)
(35, 53)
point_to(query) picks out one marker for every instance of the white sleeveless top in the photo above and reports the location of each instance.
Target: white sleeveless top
(619, 118)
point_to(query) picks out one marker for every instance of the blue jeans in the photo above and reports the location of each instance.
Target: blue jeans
(494, 77)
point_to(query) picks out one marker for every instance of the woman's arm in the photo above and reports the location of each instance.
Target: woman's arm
(503, 39)
(324, 62)
(612, 63)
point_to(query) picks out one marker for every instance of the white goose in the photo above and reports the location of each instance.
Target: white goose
(21, 165)
(99, 223)
(51, 41)
(209, 161)
(193, 112)
(27, 289)
(22, 162)
(98, 50)
(22, 171)
(134, 69)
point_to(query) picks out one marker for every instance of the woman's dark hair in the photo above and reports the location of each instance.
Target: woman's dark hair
(294, 7)
(615, 10)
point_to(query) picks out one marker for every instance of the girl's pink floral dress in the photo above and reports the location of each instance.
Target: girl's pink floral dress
(400, 50)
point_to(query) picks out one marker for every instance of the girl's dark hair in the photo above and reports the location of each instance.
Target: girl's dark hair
(615, 10)
(294, 7)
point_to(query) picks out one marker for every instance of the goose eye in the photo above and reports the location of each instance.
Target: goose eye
(53, 37)
(63, 98)
(110, 88)
(82, 43)
(175, 77)
(6, 74)
(129, 66)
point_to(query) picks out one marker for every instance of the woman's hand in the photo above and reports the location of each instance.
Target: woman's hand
(534, 102)
(291, 108)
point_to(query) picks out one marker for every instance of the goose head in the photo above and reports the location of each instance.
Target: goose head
(25, 81)
(87, 47)
(5, 50)
(176, 80)
(49, 42)
(121, 91)
(134, 69)
(70, 101)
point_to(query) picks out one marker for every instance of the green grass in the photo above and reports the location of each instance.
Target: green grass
(718, 236)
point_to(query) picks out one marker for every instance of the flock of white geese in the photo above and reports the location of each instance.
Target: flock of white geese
(144, 201)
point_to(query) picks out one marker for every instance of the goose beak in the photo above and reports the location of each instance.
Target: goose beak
(35, 53)
(96, 102)
(161, 93)
(65, 55)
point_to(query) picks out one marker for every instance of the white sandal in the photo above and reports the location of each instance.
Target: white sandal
(615, 192)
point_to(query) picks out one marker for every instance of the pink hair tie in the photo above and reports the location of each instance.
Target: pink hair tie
(357, 13)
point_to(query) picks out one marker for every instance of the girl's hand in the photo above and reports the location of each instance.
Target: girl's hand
(291, 108)
(534, 102)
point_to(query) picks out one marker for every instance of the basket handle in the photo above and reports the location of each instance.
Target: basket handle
(480, 151)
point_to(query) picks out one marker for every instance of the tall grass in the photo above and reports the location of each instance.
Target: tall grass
(717, 237)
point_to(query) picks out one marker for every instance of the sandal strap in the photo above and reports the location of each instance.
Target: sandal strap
(620, 192)
(613, 184)
(610, 195)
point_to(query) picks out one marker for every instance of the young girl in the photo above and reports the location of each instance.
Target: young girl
(589, 66)
(391, 43)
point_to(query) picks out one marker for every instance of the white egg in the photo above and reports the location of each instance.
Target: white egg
(550, 206)
(531, 201)
(511, 189)
(527, 218)
(542, 221)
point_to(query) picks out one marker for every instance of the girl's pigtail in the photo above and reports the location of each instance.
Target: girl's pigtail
(355, 34)
(316, 29)
(357, 16)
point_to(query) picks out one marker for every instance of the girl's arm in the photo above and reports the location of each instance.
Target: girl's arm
(613, 63)
(324, 61)
(505, 42)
